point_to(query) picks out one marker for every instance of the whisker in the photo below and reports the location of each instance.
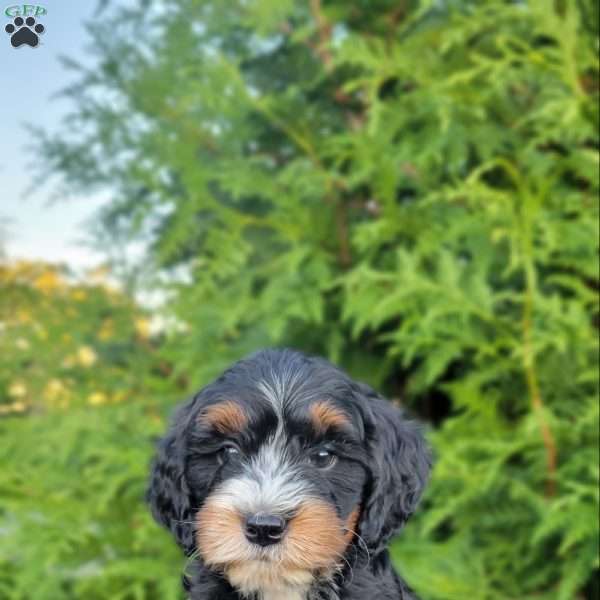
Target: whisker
(362, 541)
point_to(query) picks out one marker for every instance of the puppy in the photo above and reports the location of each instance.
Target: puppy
(284, 479)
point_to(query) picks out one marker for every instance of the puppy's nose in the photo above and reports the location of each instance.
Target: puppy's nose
(264, 530)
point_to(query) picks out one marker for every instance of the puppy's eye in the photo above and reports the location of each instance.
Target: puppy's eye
(228, 453)
(323, 459)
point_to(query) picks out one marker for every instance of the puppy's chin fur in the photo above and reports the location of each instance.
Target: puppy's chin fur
(270, 581)
(313, 546)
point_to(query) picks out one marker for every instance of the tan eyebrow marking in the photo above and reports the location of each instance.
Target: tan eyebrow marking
(226, 417)
(325, 415)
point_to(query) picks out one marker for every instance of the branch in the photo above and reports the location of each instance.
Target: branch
(324, 31)
(322, 50)
(532, 382)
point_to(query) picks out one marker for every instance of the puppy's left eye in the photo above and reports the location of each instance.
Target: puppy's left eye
(323, 459)
(228, 453)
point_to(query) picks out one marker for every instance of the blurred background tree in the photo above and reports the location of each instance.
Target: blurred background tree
(408, 188)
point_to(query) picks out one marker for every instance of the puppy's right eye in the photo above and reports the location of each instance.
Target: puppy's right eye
(323, 459)
(228, 453)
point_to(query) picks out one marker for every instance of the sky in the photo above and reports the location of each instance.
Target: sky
(32, 227)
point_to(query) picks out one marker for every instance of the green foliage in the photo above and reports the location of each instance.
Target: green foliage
(409, 188)
(74, 524)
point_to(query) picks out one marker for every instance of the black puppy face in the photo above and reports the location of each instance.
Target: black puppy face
(272, 472)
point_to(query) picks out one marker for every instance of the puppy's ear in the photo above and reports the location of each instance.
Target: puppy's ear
(400, 467)
(168, 492)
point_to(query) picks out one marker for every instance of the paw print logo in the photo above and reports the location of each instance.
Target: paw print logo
(24, 32)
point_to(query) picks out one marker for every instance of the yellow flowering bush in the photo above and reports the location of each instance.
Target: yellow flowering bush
(80, 406)
(64, 340)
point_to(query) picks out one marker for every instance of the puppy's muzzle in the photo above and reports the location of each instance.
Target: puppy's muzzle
(264, 530)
